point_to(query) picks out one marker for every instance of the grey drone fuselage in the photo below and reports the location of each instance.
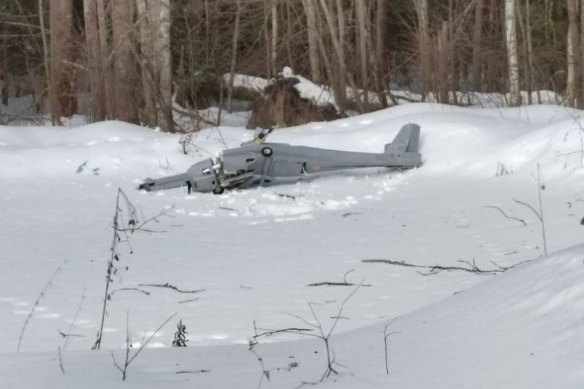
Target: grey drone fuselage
(263, 164)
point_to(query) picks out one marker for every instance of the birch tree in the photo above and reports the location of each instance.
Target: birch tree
(512, 56)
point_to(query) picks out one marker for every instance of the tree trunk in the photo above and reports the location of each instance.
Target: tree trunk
(378, 58)
(274, 41)
(512, 57)
(126, 107)
(424, 46)
(443, 54)
(527, 49)
(147, 58)
(4, 66)
(341, 79)
(62, 57)
(530, 63)
(581, 72)
(477, 46)
(234, 45)
(107, 58)
(94, 61)
(313, 54)
(572, 45)
(165, 67)
(51, 91)
(360, 12)
(289, 35)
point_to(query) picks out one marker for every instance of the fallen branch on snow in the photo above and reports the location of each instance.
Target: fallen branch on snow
(170, 286)
(470, 267)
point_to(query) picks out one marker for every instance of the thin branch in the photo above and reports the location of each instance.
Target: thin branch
(292, 330)
(150, 338)
(345, 282)
(342, 307)
(505, 215)
(128, 289)
(332, 283)
(61, 361)
(188, 300)
(530, 207)
(386, 336)
(170, 286)
(36, 304)
(435, 269)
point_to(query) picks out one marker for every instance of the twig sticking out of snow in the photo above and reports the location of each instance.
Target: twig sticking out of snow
(36, 304)
(319, 332)
(125, 222)
(538, 213)
(386, 335)
(129, 359)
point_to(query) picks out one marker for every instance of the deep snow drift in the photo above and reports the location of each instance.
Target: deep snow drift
(255, 252)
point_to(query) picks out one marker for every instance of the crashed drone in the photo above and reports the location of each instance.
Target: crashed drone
(260, 163)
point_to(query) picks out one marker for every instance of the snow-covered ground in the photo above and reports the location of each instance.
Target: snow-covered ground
(255, 252)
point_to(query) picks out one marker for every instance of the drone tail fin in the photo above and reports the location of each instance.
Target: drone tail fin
(404, 150)
(407, 140)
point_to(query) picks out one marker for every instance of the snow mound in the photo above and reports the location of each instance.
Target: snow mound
(525, 324)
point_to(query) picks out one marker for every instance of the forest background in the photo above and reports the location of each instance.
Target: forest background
(140, 60)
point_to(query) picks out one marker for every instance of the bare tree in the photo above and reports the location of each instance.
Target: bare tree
(147, 57)
(424, 44)
(274, 41)
(95, 60)
(443, 61)
(512, 56)
(362, 33)
(477, 45)
(581, 100)
(380, 51)
(234, 45)
(63, 58)
(155, 62)
(125, 74)
(312, 31)
(336, 35)
(529, 51)
(571, 48)
(165, 66)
